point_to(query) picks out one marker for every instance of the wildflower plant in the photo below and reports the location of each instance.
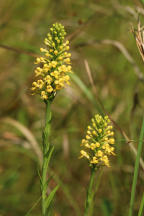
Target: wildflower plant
(97, 146)
(99, 141)
(53, 68)
(52, 74)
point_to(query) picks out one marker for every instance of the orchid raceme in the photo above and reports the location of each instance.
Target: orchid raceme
(98, 143)
(52, 72)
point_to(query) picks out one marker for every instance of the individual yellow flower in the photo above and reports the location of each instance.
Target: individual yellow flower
(98, 143)
(54, 66)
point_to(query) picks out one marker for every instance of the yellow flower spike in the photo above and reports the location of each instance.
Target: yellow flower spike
(88, 132)
(48, 79)
(98, 144)
(87, 145)
(83, 141)
(53, 68)
(103, 147)
(67, 60)
(94, 160)
(94, 125)
(84, 154)
(60, 58)
(49, 89)
(67, 78)
(94, 132)
(105, 160)
(87, 137)
(69, 55)
(37, 61)
(99, 130)
(44, 95)
(112, 141)
(67, 47)
(40, 84)
(47, 54)
(69, 68)
(106, 117)
(43, 50)
(99, 153)
(92, 146)
(61, 47)
(55, 52)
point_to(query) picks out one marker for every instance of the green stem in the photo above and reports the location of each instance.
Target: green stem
(90, 193)
(97, 183)
(136, 169)
(141, 206)
(46, 146)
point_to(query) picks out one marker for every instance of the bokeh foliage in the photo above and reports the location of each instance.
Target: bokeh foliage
(100, 35)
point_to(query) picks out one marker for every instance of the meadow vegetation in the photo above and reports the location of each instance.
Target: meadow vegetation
(107, 78)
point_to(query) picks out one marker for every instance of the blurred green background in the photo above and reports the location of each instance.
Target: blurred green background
(107, 66)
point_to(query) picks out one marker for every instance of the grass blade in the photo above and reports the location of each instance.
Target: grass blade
(86, 91)
(50, 197)
(136, 169)
(141, 206)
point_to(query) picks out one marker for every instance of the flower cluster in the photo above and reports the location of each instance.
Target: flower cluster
(54, 67)
(98, 144)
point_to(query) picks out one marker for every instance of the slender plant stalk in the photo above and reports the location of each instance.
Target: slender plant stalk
(98, 180)
(90, 193)
(46, 147)
(53, 71)
(136, 169)
(140, 213)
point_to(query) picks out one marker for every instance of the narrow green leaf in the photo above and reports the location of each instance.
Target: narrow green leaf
(39, 176)
(82, 86)
(46, 159)
(50, 197)
(106, 207)
(136, 169)
(48, 156)
(46, 184)
(45, 140)
(140, 213)
(86, 91)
